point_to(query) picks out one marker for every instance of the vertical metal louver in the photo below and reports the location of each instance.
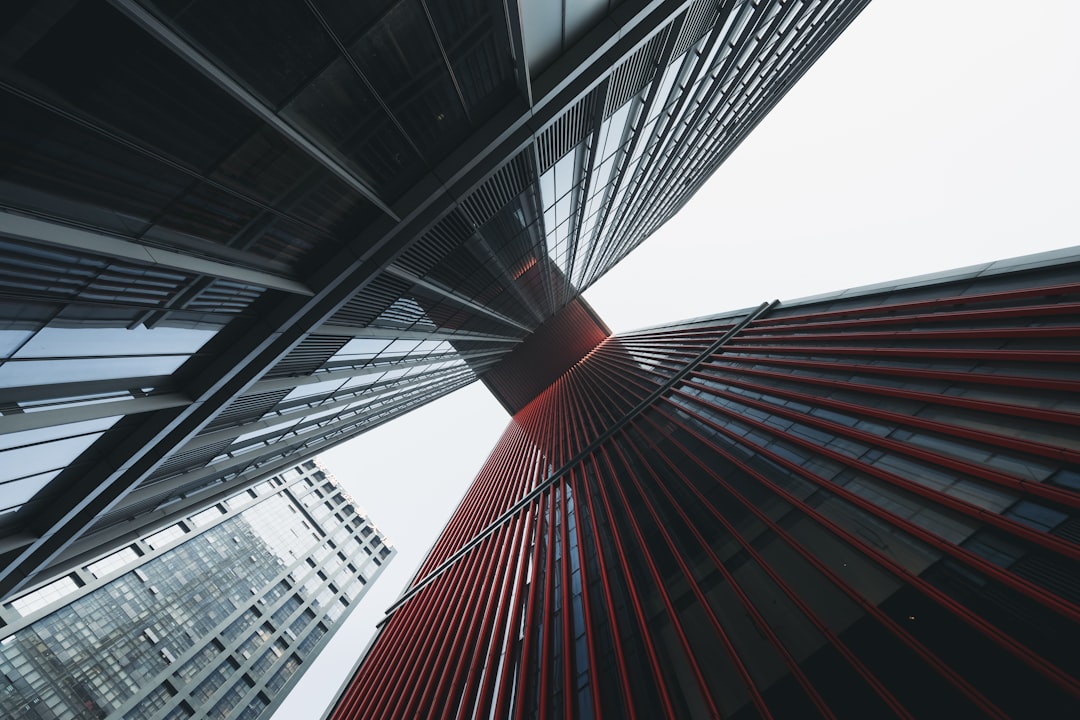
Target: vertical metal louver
(246, 408)
(633, 74)
(308, 356)
(224, 296)
(60, 274)
(567, 131)
(189, 460)
(702, 16)
(504, 185)
(439, 241)
(370, 303)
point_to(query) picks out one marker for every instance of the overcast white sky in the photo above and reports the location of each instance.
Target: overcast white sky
(932, 135)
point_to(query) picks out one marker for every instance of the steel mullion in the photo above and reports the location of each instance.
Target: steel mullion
(423, 683)
(1022, 585)
(581, 197)
(810, 615)
(964, 507)
(1012, 381)
(744, 674)
(940, 334)
(397, 659)
(447, 537)
(987, 406)
(497, 453)
(401, 665)
(478, 695)
(662, 389)
(992, 632)
(457, 696)
(740, 667)
(654, 170)
(760, 623)
(886, 310)
(546, 639)
(530, 614)
(802, 56)
(941, 667)
(482, 494)
(501, 699)
(537, 594)
(418, 679)
(811, 324)
(574, 422)
(432, 567)
(635, 601)
(578, 419)
(496, 636)
(673, 29)
(586, 609)
(1071, 357)
(499, 476)
(568, 664)
(1030, 447)
(569, 656)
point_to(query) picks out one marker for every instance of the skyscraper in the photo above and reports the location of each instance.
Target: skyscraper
(862, 504)
(215, 616)
(234, 236)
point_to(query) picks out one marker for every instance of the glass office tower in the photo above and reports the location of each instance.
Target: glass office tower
(236, 234)
(858, 505)
(214, 616)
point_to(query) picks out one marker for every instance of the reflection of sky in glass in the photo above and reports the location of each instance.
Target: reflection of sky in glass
(75, 342)
(321, 388)
(206, 517)
(164, 537)
(30, 458)
(113, 562)
(11, 339)
(56, 355)
(362, 347)
(284, 530)
(14, 373)
(44, 596)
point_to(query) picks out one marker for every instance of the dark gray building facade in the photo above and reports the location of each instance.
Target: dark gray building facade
(234, 235)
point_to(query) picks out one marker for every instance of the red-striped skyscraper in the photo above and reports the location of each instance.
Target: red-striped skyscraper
(858, 505)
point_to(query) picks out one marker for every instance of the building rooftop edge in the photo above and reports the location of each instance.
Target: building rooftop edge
(1033, 261)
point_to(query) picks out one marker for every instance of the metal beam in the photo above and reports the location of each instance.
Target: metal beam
(286, 383)
(184, 49)
(179, 482)
(36, 230)
(381, 385)
(453, 297)
(63, 415)
(298, 417)
(490, 256)
(251, 345)
(512, 17)
(86, 388)
(392, 334)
